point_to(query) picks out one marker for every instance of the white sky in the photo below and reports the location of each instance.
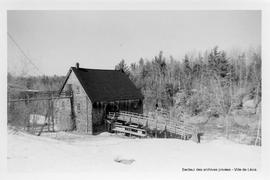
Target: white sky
(55, 40)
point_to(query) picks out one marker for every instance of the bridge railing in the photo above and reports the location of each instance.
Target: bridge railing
(161, 124)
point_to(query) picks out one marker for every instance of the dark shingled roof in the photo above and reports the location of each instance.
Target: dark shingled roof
(106, 85)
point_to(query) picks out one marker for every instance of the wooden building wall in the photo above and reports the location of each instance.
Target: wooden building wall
(62, 115)
(81, 104)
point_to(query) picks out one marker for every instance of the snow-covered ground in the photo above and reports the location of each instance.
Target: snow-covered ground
(70, 152)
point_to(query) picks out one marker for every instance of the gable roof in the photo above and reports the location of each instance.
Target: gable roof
(106, 85)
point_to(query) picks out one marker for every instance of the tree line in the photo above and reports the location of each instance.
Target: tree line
(45, 83)
(212, 82)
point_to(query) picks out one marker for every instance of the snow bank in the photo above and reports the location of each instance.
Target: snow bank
(88, 153)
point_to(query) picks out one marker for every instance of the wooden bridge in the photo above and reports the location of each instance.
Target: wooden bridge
(139, 124)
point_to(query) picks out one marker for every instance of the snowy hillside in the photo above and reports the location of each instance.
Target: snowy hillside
(73, 152)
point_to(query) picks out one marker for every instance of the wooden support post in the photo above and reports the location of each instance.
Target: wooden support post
(156, 130)
(175, 129)
(41, 129)
(49, 116)
(52, 115)
(165, 130)
(28, 120)
(184, 132)
(146, 126)
(48, 121)
(25, 122)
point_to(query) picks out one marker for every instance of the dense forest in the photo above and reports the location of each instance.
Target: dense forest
(198, 83)
(215, 85)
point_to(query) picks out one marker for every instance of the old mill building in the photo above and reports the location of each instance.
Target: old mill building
(95, 93)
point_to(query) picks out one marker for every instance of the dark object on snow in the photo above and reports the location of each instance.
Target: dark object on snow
(196, 137)
(199, 137)
(124, 161)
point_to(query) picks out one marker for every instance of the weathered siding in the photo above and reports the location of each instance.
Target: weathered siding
(82, 105)
(62, 115)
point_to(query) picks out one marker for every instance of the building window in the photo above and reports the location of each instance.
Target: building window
(63, 105)
(69, 87)
(78, 89)
(78, 107)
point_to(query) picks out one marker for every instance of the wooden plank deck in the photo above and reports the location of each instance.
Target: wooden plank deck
(131, 130)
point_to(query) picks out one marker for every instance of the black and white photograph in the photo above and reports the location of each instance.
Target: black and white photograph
(134, 91)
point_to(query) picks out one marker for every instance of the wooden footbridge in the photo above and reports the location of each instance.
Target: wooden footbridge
(140, 125)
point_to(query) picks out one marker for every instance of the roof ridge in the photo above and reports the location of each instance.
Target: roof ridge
(95, 69)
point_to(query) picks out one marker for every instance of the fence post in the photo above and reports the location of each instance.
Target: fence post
(47, 116)
(175, 129)
(184, 131)
(25, 122)
(28, 124)
(53, 114)
(165, 129)
(156, 130)
(28, 120)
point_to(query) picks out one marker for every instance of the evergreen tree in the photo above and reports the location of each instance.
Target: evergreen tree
(218, 63)
(122, 66)
(188, 74)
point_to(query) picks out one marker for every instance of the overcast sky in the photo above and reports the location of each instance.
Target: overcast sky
(56, 40)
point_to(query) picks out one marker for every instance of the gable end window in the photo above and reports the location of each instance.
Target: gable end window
(63, 105)
(78, 89)
(78, 107)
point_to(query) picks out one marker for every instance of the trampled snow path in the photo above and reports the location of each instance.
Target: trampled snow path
(97, 153)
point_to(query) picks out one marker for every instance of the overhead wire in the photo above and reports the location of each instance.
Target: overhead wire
(24, 54)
